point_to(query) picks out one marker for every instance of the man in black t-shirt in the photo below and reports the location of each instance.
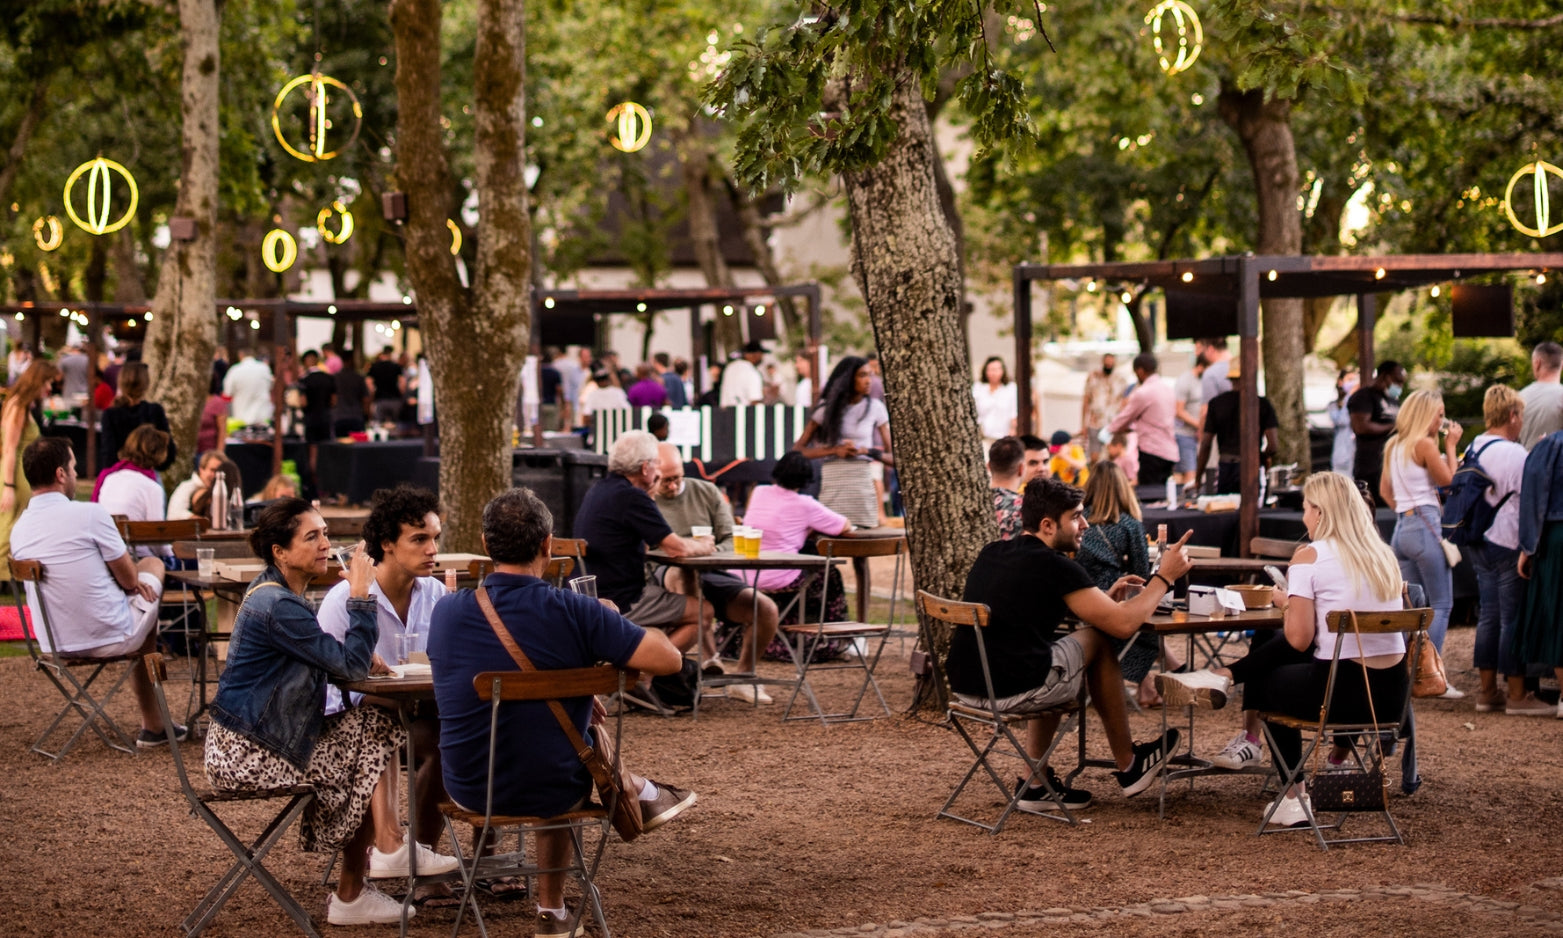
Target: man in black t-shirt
(389, 384)
(1030, 586)
(319, 389)
(1224, 427)
(1373, 410)
(618, 519)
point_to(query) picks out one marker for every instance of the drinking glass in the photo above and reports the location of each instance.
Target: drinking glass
(206, 562)
(585, 585)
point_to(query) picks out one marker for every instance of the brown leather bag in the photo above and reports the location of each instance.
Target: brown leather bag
(1429, 679)
(615, 785)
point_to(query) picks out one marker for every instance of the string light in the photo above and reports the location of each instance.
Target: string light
(633, 124)
(1435, 291)
(98, 172)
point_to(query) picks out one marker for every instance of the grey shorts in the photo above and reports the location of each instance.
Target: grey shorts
(657, 608)
(1064, 680)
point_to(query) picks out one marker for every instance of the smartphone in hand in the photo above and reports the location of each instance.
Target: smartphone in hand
(1276, 577)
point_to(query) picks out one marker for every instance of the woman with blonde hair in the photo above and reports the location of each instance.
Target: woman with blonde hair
(17, 430)
(1112, 547)
(1347, 566)
(1414, 469)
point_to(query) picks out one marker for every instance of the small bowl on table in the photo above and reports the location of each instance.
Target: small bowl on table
(1254, 597)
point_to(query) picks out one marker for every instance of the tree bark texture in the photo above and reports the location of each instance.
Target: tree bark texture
(694, 158)
(183, 333)
(1264, 127)
(476, 339)
(905, 261)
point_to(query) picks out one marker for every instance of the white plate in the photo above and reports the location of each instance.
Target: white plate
(411, 670)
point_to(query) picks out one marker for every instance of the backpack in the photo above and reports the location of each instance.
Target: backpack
(1467, 516)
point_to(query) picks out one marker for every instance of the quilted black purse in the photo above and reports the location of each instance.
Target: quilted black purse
(1339, 790)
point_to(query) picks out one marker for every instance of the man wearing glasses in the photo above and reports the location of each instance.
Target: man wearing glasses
(688, 504)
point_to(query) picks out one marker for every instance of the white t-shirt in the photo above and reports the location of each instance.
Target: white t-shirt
(741, 384)
(1326, 582)
(858, 422)
(604, 398)
(129, 493)
(1504, 462)
(334, 621)
(248, 384)
(995, 409)
(179, 502)
(75, 542)
(1186, 390)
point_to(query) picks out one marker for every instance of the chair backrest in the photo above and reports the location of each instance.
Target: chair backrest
(339, 526)
(496, 687)
(1381, 622)
(478, 569)
(1272, 547)
(157, 671)
(572, 547)
(866, 547)
(956, 612)
(558, 568)
(162, 532)
(31, 571)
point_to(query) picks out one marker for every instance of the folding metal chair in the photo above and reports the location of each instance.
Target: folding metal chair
(868, 639)
(1360, 736)
(995, 730)
(248, 858)
(496, 688)
(63, 668)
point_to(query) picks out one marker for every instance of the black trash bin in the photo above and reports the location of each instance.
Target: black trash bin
(582, 470)
(542, 471)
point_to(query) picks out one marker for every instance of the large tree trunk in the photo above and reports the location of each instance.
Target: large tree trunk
(24, 135)
(905, 261)
(477, 338)
(1265, 129)
(704, 237)
(183, 332)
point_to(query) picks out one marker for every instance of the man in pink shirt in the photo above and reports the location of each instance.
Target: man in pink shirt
(1150, 410)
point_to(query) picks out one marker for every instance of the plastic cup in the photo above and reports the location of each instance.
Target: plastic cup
(701, 530)
(400, 647)
(754, 542)
(585, 585)
(343, 555)
(206, 562)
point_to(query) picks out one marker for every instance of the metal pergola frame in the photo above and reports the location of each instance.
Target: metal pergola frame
(1246, 280)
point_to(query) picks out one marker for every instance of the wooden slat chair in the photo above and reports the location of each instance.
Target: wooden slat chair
(995, 732)
(63, 670)
(574, 547)
(1274, 547)
(181, 613)
(496, 688)
(558, 569)
(808, 636)
(248, 857)
(1360, 735)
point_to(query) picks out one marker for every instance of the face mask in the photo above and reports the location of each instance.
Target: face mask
(1393, 392)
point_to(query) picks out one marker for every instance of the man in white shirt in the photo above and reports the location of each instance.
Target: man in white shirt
(101, 603)
(401, 536)
(248, 387)
(1496, 559)
(742, 384)
(1543, 397)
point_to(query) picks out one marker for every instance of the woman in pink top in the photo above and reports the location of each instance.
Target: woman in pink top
(788, 517)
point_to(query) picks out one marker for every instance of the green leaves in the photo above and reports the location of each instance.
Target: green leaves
(812, 95)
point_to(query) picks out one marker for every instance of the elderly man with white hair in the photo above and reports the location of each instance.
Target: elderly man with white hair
(618, 520)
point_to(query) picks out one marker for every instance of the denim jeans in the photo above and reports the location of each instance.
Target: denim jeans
(1499, 590)
(1417, 546)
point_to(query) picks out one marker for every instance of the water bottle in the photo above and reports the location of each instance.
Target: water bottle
(219, 508)
(236, 509)
(1172, 492)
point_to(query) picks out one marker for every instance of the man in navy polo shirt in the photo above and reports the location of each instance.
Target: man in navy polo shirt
(538, 772)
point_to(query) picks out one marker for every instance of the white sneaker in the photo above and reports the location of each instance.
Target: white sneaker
(372, 907)
(1290, 812)
(1202, 688)
(1452, 693)
(394, 865)
(749, 693)
(1240, 753)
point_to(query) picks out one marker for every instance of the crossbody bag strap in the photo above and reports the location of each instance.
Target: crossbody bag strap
(1367, 688)
(582, 750)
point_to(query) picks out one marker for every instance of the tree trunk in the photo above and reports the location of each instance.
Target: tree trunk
(183, 333)
(793, 328)
(695, 162)
(906, 265)
(476, 339)
(128, 285)
(24, 134)
(1265, 130)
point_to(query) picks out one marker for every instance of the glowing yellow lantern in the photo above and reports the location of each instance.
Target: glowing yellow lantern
(54, 238)
(1540, 170)
(346, 231)
(318, 122)
(1191, 36)
(100, 196)
(634, 126)
(278, 250)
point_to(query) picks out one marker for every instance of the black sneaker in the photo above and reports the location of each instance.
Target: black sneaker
(146, 739)
(1036, 799)
(1149, 761)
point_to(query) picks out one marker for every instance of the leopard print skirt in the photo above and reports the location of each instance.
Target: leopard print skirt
(351, 754)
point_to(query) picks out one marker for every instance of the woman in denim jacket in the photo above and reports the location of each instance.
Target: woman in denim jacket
(269, 729)
(1538, 636)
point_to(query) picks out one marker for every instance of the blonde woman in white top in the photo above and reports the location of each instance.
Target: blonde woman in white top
(1346, 567)
(1414, 469)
